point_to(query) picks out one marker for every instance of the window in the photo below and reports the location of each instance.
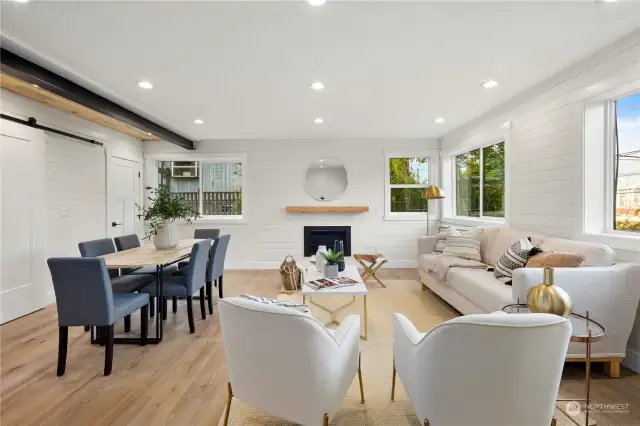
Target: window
(212, 187)
(626, 167)
(406, 178)
(479, 182)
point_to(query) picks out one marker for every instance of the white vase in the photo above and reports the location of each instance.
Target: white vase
(320, 261)
(167, 236)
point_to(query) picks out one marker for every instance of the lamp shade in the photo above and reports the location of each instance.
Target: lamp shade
(432, 192)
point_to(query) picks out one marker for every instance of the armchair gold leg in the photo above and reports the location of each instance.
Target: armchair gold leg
(229, 397)
(553, 421)
(360, 380)
(325, 421)
(393, 381)
(426, 422)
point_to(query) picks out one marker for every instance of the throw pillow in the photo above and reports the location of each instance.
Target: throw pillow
(551, 259)
(284, 303)
(515, 257)
(444, 232)
(465, 245)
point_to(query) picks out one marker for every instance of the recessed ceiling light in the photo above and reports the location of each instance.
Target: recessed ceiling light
(317, 85)
(198, 121)
(439, 120)
(145, 85)
(316, 2)
(318, 120)
(489, 84)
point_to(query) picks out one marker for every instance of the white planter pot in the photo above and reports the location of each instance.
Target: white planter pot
(331, 271)
(167, 236)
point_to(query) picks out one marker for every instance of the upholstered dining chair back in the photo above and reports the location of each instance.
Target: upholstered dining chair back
(127, 242)
(95, 248)
(491, 369)
(218, 252)
(83, 291)
(285, 362)
(196, 271)
(202, 233)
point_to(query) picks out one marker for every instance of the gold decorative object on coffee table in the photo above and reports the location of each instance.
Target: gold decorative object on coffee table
(375, 262)
(549, 299)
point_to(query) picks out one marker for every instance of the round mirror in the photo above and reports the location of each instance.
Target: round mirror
(326, 179)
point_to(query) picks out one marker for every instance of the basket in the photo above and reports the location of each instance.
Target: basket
(291, 275)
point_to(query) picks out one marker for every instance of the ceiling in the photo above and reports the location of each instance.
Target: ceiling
(244, 68)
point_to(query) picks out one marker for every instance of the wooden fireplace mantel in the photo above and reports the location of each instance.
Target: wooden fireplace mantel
(327, 209)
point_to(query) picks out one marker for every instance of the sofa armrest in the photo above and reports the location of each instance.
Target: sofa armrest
(610, 294)
(426, 245)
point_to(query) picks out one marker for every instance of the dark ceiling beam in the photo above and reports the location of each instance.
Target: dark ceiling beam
(25, 70)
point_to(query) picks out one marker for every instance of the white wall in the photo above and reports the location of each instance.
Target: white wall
(276, 171)
(75, 175)
(544, 161)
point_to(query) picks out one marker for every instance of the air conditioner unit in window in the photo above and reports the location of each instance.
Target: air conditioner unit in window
(184, 169)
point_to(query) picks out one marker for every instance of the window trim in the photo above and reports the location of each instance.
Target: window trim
(205, 158)
(454, 186)
(434, 177)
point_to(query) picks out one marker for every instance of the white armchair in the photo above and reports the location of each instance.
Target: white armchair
(488, 369)
(287, 363)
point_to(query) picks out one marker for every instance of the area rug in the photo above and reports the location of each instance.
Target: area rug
(423, 308)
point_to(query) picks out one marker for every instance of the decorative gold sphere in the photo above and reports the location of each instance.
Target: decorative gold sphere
(549, 299)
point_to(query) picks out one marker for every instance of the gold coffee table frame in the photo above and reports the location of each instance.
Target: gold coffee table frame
(336, 311)
(587, 338)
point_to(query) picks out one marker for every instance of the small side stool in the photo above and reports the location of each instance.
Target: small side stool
(371, 264)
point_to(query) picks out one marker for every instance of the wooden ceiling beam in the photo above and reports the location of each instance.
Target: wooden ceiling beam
(19, 75)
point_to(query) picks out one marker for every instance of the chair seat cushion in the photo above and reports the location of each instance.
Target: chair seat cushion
(481, 288)
(127, 303)
(130, 283)
(173, 286)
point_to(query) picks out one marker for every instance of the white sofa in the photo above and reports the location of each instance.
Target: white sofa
(609, 292)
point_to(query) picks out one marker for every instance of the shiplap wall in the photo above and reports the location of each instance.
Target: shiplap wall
(76, 175)
(544, 161)
(275, 174)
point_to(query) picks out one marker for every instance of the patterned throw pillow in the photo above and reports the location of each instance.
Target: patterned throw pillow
(284, 303)
(444, 232)
(551, 259)
(515, 257)
(465, 245)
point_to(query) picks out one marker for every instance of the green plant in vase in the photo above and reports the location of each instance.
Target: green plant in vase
(161, 215)
(332, 260)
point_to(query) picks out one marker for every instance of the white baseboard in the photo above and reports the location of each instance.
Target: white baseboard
(632, 361)
(275, 265)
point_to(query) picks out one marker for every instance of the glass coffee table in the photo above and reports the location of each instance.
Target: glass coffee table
(584, 330)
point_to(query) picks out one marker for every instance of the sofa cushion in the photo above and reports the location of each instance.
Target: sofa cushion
(515, 257)
(594, 254)
(481, 288)
(466, 245)
(444, 232)
(551, 259)
(489, 235)
(505, 238)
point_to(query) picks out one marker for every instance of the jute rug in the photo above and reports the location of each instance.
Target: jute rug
(422, 308)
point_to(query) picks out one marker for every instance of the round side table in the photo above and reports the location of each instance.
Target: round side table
(584, 330)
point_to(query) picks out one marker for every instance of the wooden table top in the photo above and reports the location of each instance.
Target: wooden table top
(148, 255)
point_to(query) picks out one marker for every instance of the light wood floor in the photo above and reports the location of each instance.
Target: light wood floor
(183, 380)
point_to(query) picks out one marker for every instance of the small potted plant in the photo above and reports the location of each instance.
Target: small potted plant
(161, 216)
(331, 265)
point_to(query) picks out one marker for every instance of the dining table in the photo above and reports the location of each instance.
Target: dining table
(149, 255)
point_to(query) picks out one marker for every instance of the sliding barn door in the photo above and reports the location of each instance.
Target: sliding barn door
(22, 231)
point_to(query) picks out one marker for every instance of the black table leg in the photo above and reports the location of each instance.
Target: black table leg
(161, 304)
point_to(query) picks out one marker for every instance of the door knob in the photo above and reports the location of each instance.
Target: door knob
(114, 224)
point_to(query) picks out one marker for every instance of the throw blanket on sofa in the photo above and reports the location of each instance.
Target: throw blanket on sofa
(438, 265)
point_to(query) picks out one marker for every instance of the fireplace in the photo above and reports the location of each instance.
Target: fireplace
(315, 236)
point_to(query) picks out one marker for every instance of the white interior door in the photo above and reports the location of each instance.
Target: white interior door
(124, 194)
(22, 233)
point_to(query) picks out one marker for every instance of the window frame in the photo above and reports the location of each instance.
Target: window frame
(434, 175)
(454, 186)
(152, 179)
(610, 140)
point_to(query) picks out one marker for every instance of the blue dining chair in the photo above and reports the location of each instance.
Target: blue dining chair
(215, 267)
(186, 285)
(85, 297)
(127, 242)
(120, 283)
(201, 233)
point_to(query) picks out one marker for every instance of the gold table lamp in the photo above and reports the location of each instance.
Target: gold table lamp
(431, 192)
